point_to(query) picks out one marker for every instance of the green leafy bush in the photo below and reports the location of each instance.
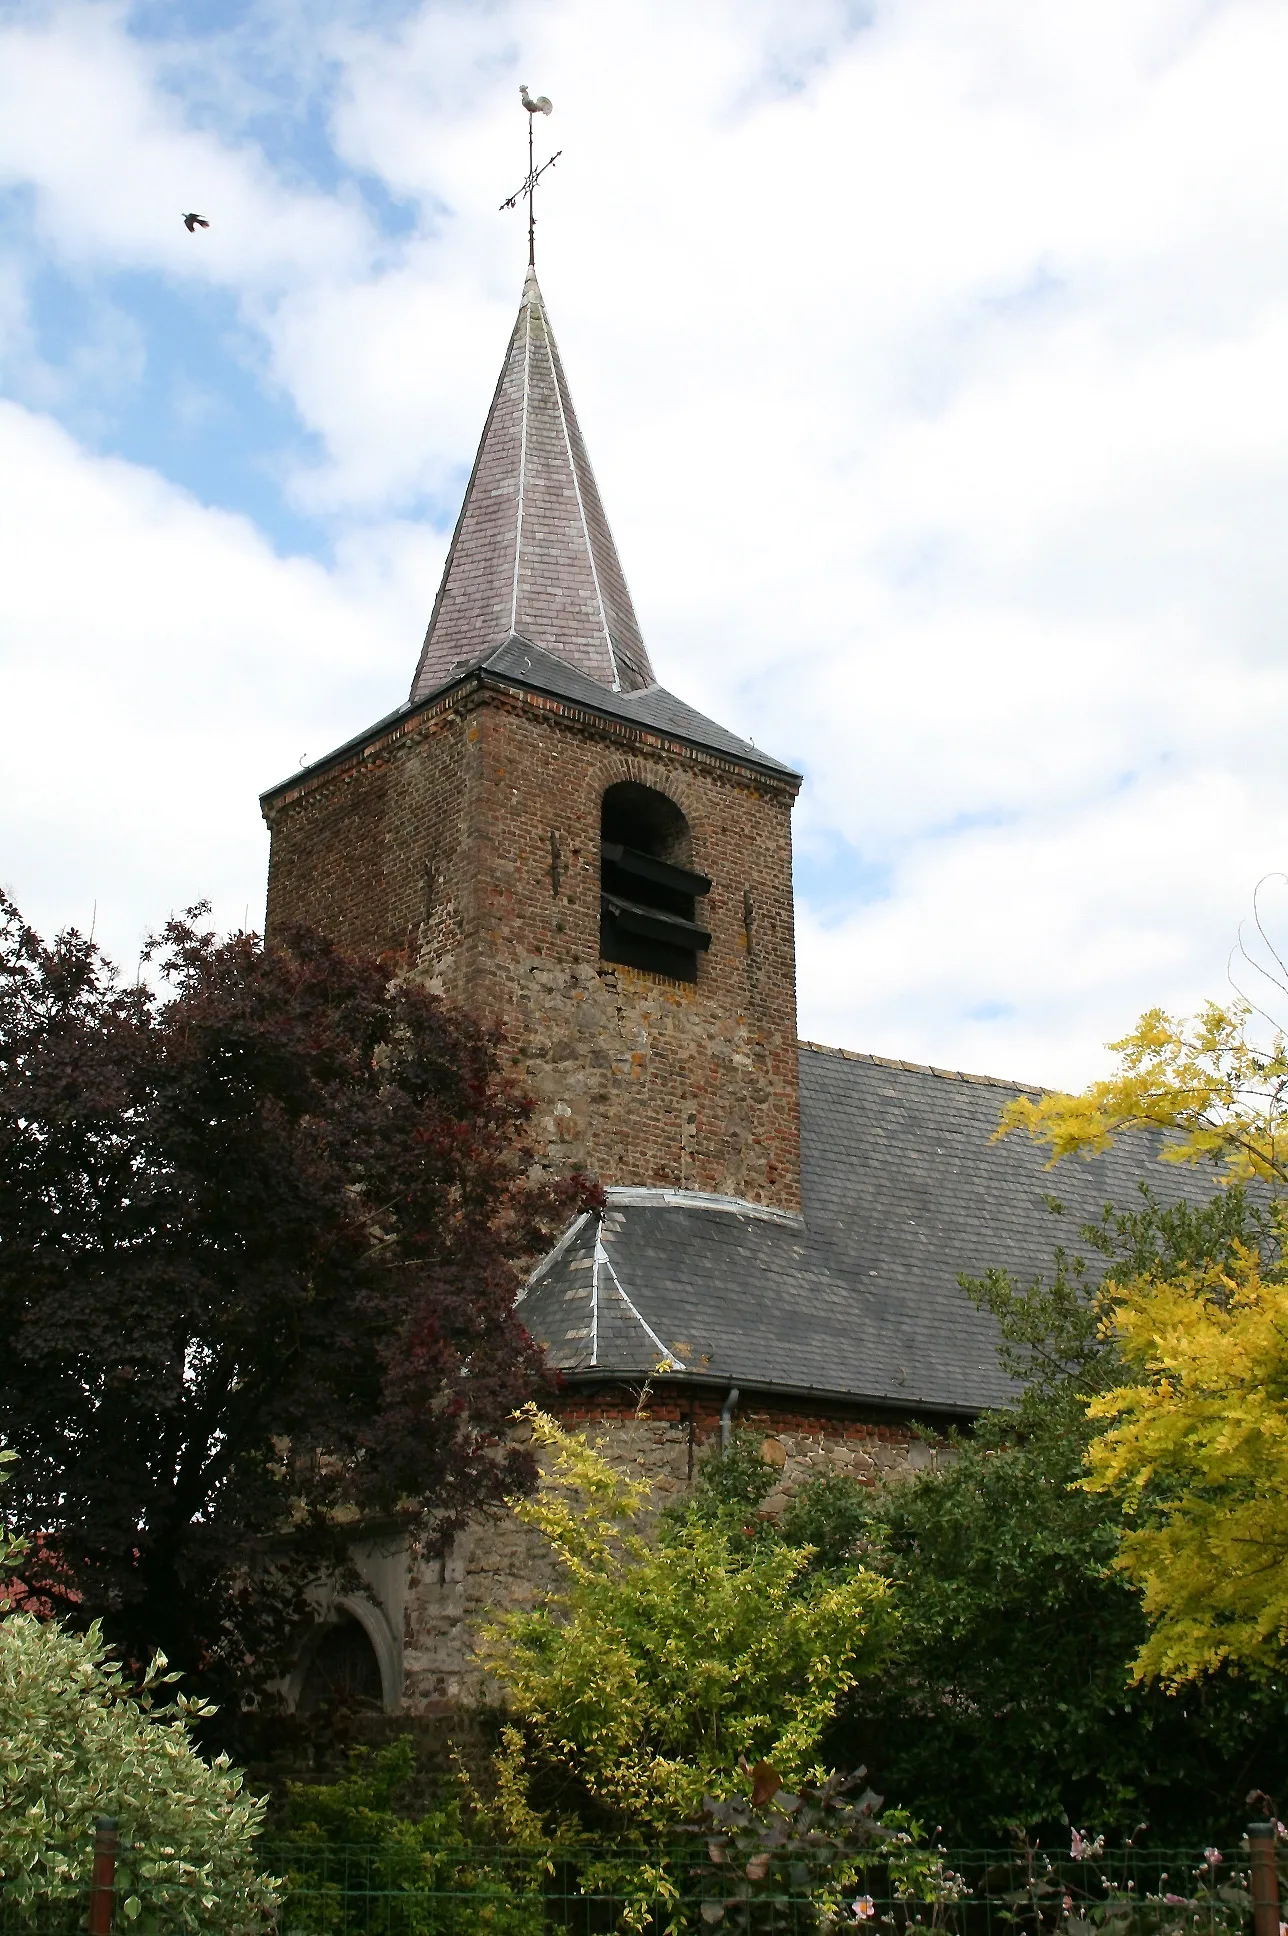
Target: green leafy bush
(830, 1514)
(661, 1661)
(368, 1806)
(356, 1843)
(76, 1742)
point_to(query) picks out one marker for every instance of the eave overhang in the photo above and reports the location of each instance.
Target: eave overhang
(484, 678)
(824, 1396)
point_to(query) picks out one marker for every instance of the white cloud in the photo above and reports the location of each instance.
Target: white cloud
(86, 120)
(160, 666)
(1019, 951)
(933, 372)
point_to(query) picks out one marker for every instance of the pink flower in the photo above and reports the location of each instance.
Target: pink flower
(865, 1909)
(1081, 1846)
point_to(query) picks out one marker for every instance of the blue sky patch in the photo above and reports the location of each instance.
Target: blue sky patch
(834, 877)
(972, 820)
(241, 70)
(991, 1011)
(169, 377)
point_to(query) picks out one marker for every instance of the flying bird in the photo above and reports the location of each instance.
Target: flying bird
(194, 222)
(542, 104)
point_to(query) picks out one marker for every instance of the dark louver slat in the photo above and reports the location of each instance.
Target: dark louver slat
(655, 923)
(679, 879)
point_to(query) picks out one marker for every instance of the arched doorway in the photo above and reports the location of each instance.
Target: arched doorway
(342, 1670)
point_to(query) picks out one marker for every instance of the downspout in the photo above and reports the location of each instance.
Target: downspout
(726, 1419)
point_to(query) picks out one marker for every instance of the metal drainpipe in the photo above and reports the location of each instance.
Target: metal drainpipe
(726, 1419)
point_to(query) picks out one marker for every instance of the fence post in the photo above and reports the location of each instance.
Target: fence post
(102, 1888)
(1265, 1879)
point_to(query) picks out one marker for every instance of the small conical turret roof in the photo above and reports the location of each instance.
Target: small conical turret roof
(532, 553)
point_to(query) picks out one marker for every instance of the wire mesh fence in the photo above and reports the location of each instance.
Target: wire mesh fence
(517, 1892)
(406, 1890)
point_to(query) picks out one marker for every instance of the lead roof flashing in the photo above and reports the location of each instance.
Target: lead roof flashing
(631, 1196)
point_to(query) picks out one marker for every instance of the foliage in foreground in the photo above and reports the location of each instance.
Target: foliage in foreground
(1094, 1893)
(824, 1856)
(820, 1845)
(659, 1662)
(1194, 1445)
(346, 1844)
(1207, 1081)
(1006, 1703)
(369, 1806)
(77, 1742)
(1193, 1439)
(258, 1244)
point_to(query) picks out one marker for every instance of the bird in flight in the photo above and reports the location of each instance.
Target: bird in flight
(194, 222)
(542, 105)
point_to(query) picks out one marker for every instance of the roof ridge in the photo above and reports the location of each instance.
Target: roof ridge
(532, 551)
(615, 681)
(923, 1068)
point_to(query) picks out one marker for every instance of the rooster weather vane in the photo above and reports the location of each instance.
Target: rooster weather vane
(541, 105)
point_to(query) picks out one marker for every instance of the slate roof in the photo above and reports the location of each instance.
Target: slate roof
(528, 665)
(858, 1300)
(532, 552)
(519, 662)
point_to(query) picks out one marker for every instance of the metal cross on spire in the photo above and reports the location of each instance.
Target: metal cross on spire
(541, 105)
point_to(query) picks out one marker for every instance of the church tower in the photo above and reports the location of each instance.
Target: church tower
(562, 846)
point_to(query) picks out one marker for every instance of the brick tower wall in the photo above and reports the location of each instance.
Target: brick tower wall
(468, 834)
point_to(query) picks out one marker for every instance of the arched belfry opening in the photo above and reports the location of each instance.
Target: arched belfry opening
(461, 829)
(648, 888)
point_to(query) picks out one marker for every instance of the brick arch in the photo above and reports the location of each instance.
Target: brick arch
(659, 779)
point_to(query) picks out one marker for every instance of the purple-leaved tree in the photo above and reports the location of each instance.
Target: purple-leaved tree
(261, 1228)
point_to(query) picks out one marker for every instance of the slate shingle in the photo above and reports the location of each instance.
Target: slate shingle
(532, 551)
(528, 665)
(518, 661)
(903, 1188)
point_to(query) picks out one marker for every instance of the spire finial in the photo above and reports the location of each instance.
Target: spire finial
(541, 105)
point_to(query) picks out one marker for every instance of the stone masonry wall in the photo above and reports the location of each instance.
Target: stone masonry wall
(501, 1564)
(470, 833)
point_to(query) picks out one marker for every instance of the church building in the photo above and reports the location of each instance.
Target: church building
(564, 846)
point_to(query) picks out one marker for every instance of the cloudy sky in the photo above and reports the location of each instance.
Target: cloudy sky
(933, 357)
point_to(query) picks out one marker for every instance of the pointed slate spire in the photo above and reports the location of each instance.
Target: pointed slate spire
(532, 552)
